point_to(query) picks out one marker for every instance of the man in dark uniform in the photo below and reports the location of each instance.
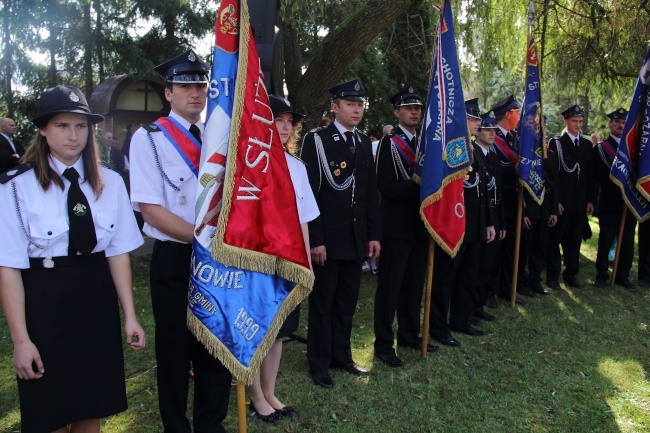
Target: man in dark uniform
(10, 151)
(163, 188)
(405, 239)
(536, 222)
(610, 207)
(644, 253)
(341, 172)
(506, 113)
(569, 159)
(452, 294)
(489, 267)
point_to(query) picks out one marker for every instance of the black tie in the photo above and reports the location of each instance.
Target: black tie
(576, 142)
(349, 141)
(196, 132)
(82, 228)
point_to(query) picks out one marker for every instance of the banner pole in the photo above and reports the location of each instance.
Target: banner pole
(515, 262)
(427, 300)
(621, 229)
(241, 406)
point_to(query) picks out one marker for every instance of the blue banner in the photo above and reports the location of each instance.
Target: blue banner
(631, 168)
(531, 149)
(444, 152)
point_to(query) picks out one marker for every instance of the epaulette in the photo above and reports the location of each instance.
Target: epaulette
(361, 132)
(150, 127)
(15, 172)
(295, 157)
(318, 129)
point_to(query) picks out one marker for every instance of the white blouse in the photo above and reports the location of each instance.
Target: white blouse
(307, 206)
(43, 226)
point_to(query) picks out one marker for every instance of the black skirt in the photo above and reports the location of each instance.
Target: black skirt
(73, 318)
(291, 323)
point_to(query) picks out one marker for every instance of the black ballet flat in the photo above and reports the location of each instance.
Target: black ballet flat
(272, 418)
(287, 412)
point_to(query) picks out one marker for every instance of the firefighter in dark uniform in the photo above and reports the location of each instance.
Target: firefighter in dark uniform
(488, 270)
(342, 175)
(610, 207)
(536, 222)
(405, 239)
(452, 293)
(569, 158)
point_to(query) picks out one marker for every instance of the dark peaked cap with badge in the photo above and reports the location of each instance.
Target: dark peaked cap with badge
(472, 108)
(575, 111)
(488, 121)
(184, 68)
(352, 91)
(281, 105)
(63, 99)
(503, 106)
(407, 96)
(619, 113)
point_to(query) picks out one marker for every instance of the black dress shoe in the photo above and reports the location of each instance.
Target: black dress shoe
(448, 341)
(323, 379)
(353, 368)
(474, 321)
(274, 418)
(537, 288)
(526, 291)
(390, 359)
(287, 412)
(625, 282)
(482, 314)
(601, 282)
(645, 282)
(573, 282)
(470, 331)
(518, 300)
(553, 284)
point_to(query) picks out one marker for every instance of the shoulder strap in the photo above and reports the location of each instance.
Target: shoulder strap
(16, 171)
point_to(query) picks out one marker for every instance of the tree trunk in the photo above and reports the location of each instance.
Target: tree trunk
(88, 51)
(51, 74)
(7, 58)
(99, 41)
(291, 55)
(341, 46)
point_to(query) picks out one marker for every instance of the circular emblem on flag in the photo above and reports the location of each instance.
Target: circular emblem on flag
(456, 153)
(79, 210)
(74, 97)
(191, 57)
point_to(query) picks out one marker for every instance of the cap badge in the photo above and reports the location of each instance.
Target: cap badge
(411, 90)
(357, 86)
(191, 57)
(620, 110)
(491, 114)
(74, 97)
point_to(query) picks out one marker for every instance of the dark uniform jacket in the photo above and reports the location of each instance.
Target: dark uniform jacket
(493, 179)
(534, 211)
(575, 189)
(610, 197)
(477, 215)
(7, 158)
(350, 217)
(507, 177)
(400, 195)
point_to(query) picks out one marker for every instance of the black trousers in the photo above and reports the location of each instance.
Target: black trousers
(644, 250)
(568, 233)
(444, 274)
(331, 306)
(176, 347)
(489, 278)
(465, 295)
(507, 258)
(399, 290)
(533, 248)
(610, 223)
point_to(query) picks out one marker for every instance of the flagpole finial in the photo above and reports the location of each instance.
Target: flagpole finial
(531, 13)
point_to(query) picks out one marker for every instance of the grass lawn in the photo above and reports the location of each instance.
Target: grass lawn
(573, 361)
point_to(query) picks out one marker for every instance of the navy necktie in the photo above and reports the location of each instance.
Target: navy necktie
(196, 132)
(82, 229)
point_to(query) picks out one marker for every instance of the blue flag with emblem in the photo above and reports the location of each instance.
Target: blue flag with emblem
(531, 149)
(631, 167)
(444, 152)
(249, 266)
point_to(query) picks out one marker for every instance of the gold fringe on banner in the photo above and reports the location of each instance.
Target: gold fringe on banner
(221, 352)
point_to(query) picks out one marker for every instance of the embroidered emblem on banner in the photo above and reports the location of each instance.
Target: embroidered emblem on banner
(456, 152)
(227, 20)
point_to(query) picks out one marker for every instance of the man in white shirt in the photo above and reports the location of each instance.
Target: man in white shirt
(164, 163)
